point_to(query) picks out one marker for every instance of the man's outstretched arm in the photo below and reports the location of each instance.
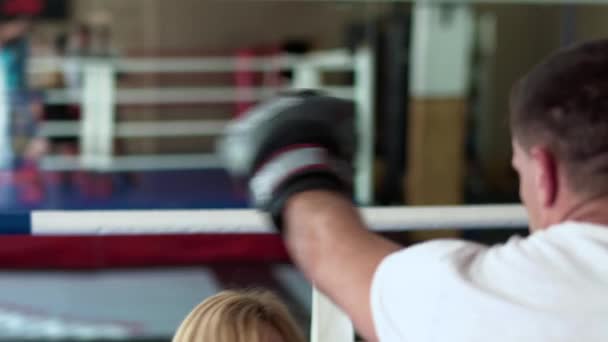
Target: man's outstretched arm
(296, 153)
(330, 243)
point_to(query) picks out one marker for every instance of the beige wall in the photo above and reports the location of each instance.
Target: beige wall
(525, 35)
(592, 22)
(223, 25)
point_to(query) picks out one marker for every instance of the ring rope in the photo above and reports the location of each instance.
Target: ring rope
(247, 221)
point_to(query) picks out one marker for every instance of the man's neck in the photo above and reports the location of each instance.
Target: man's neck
(592, 210)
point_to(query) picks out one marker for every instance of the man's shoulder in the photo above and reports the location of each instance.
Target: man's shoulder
(408, 285)
(441, 282)
(441, 249)
(579, 228)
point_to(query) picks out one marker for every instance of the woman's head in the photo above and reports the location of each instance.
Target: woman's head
(239, 316)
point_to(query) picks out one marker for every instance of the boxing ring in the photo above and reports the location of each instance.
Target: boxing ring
(99, 96)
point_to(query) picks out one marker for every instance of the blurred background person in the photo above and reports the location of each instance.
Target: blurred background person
(20, 145)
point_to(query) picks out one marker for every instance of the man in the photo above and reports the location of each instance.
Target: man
(551, 286)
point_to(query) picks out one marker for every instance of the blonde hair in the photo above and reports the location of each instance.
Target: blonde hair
(238, 316)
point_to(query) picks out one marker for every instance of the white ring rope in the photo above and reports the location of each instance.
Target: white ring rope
(250, 221)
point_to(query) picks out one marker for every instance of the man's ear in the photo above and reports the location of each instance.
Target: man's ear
(545, 175)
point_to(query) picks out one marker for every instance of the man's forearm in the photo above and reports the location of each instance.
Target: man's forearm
(328, 240)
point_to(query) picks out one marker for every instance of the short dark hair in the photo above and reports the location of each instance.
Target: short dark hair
(563, 104)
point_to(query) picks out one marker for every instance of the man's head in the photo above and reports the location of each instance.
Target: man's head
(559, 123)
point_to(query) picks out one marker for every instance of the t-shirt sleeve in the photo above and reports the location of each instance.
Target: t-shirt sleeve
(407, 286)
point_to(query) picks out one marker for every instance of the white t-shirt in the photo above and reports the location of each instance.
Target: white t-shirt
(551, 286)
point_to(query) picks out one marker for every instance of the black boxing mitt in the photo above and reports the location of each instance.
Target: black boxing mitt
(296, 142)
